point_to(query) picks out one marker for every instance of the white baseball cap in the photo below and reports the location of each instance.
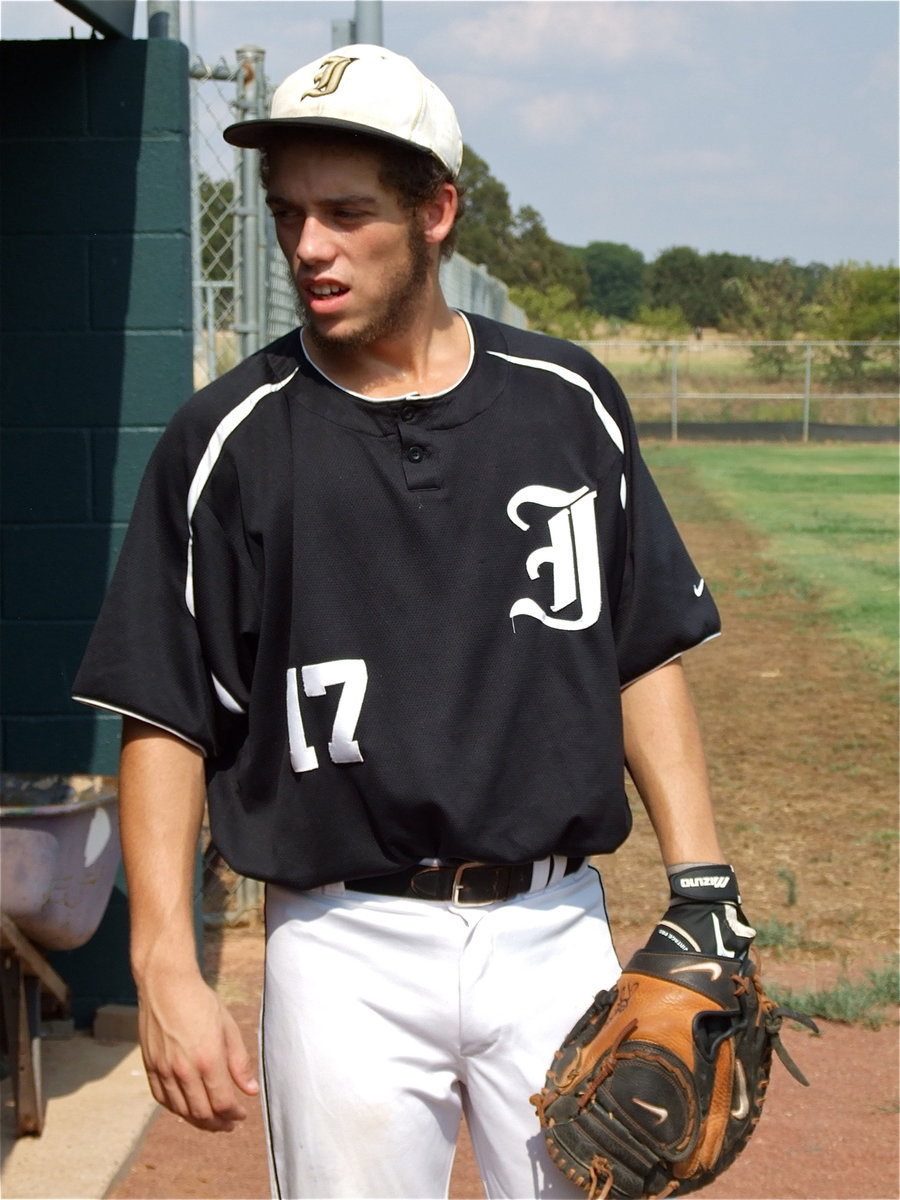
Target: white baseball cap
(364, 88)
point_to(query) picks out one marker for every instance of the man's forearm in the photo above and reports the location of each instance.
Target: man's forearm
(197, 1064)
(664, 755)
(161, 798)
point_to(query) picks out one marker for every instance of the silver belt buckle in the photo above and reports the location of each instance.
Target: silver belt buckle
(458, 884)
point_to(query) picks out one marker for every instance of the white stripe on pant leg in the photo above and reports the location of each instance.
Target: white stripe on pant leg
(531, 968)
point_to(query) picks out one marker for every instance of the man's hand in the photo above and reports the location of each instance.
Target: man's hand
(196, 1060)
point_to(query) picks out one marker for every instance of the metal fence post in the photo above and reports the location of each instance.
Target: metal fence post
(807, 388)
(210, 301)
(214, 226)
(250, 105)
(674, 391)
(368, 22)
(164, 19)
(196, 254)
(263, 242)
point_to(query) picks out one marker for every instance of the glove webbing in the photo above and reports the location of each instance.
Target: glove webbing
(609, 1064)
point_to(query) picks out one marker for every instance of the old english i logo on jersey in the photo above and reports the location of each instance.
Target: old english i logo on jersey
(329, 75)
(572, 554)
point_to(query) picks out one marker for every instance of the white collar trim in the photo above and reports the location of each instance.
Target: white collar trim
(402, 395)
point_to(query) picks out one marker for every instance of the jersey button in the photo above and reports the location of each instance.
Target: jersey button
(408, 413)
(415, 454)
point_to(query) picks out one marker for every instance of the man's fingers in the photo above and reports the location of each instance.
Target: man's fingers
(206, 1107)
(239, 1064)
(221, 1097)
(204, 1095)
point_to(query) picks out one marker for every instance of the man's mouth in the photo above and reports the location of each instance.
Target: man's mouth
(324, 290)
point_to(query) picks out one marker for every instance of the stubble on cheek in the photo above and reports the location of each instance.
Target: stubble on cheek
(397, 303)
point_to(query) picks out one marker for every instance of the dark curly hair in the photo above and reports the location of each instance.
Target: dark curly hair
(414, 176)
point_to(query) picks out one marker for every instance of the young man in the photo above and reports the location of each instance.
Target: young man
(398, 593)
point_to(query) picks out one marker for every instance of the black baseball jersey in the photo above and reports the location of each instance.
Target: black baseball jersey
(399, 629)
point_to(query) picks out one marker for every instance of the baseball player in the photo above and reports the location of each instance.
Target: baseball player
(398, 596)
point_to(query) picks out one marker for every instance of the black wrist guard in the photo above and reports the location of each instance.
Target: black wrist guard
(705, 915)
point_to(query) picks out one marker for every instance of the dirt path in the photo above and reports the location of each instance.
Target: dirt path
(801, 738)
(802, 744)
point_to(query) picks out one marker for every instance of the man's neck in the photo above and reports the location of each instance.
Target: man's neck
(428, 357)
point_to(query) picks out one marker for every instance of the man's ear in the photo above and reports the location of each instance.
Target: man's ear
(437, 215)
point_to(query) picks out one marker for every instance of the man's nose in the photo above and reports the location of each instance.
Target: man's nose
(315, 244)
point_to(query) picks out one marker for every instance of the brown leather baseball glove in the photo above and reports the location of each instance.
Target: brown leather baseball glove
(659, 1086)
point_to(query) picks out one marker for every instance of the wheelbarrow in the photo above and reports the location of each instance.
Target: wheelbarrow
(59, 852)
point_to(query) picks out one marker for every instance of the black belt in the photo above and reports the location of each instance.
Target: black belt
(463, 883)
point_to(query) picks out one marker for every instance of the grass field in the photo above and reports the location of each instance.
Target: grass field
(830, 517)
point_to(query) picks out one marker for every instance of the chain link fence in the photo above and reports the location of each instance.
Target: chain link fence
(214, 220)
(799, 390)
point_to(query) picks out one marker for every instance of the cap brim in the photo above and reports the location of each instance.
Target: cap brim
(255, 135)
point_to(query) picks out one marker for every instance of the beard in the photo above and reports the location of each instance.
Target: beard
(395, 310)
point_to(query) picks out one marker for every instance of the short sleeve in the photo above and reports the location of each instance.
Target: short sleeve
(665, 606)
(145, 657)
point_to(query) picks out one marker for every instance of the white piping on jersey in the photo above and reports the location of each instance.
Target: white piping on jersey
(225, 697)
(601, 410)
(208, 460)
(402, 395)
(126, 712)
(603, 413)
(671, 659)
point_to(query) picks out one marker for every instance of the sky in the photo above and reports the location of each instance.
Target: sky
(759, 127)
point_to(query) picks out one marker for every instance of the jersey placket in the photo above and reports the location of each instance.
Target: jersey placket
(419, 451)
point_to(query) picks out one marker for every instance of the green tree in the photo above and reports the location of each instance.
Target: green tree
(677, 279)
(697, 283)
(616, 276)
(666, 324)
(810, 278)
(767, 306)
(720, 269)
(539, 261)
(515, 247)
(555, 310)
(663, 325)
(486, 230)
(861, 304)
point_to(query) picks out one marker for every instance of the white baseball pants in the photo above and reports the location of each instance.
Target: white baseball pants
(384, 1018)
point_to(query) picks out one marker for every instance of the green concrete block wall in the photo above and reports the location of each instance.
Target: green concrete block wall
(95, 316)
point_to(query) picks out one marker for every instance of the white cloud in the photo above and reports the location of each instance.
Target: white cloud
(695, 160)
(563, 116)
(510, 33)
